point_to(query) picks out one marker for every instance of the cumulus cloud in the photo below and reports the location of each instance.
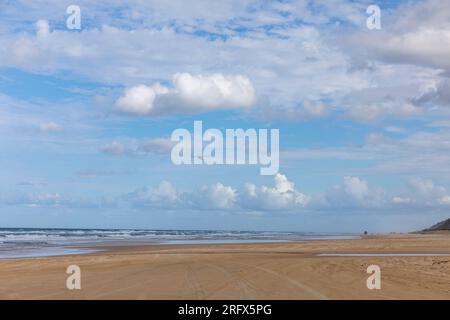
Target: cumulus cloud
(426, 188)
(356, 187)
(282, 196)
(164, 195)
(140, 99)
(354, 192)
(190, 93)
(218, 196)
(215, 91)
(423, 193)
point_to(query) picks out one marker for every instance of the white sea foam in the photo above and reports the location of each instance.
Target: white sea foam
(44, 242)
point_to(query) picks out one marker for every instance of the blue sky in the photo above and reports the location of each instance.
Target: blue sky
(86, 115)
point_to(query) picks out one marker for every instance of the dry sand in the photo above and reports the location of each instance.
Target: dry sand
(240, 271)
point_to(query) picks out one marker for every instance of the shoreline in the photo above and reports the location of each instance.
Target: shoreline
(288, 270)
(87, 246)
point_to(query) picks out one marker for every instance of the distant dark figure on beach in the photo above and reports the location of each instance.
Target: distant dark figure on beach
(365, 233)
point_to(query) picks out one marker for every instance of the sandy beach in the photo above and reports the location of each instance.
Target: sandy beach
(291, 270)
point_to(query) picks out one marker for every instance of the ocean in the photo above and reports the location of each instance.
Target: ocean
(33, 242)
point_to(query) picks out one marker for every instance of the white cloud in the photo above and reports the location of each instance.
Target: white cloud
(114, 148)
(355, 193)
(140, 99)
(137, 147)
(44, 199)
(445, 200)
(401, 200)
(216, 91)
(282, 197)
(437, 95)
(156, 145)
(50, 127)
(282, 184)
(420, 153)
(415, 33)
(376, 111)
(424, 46)
(426, 188)
(395, 129)
(42, 28)
(162, 196)
(290, 65)
(423, 193)
(306, 110)
(356, 187)
(190, 93)
(218, 196)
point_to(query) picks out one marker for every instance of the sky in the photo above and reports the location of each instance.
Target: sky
(363, 114)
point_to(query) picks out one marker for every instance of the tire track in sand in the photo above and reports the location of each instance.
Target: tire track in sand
(314, 293)
(193, 283)
(246, 288)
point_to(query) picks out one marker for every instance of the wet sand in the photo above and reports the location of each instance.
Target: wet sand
(291, 270)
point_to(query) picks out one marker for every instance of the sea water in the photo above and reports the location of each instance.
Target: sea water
(33, 242)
